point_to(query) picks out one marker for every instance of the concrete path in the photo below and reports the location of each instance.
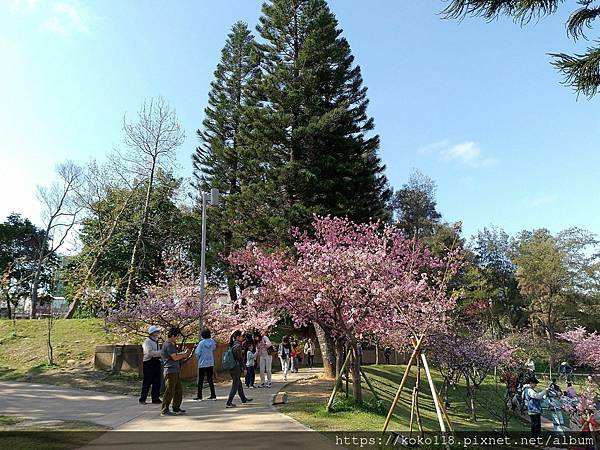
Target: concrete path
(256, 425)
(47, 402)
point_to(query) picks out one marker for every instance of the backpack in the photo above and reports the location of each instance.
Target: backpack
(229, 361)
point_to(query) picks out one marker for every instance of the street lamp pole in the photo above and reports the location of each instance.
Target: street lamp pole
(214, 201)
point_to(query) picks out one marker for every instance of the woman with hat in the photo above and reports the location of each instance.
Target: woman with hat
(152, 365)
(533, 402)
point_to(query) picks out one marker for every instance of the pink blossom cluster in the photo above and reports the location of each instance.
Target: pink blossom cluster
(176, 303)
(356, 280)
(586, 346)
(472, 357)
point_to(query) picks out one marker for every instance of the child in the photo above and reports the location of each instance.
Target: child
(250, 363)
(285, 356)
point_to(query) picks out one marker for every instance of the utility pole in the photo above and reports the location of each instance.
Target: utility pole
(215, 199)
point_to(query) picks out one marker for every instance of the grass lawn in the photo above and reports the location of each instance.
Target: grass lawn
(24, 357)
(307, 404)
(17, 433)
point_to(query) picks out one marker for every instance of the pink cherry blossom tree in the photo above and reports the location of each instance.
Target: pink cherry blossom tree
(354, 280)
(586, 346)
(175, 302)
(472, 358)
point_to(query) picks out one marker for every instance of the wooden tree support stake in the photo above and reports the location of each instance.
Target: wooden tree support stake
(411, 361)
(338, 381)
(436, 400)
(369, 384)
(445, 412)
(412, 411)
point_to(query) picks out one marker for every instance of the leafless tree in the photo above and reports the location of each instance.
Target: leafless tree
(151, 142)
(59, 214)
(97, 183)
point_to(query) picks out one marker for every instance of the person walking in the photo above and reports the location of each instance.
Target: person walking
(264, 350)
(387, 352)
(294, 361)
(205, 351)
(172, 367)
(309, 352)
(285, 356)
(151, 366)
(250, 363)
(533, 403)
(235, 345)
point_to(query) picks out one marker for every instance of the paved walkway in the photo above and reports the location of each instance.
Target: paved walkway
(258, 424)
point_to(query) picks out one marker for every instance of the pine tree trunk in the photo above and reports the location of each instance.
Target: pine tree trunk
(231, 285)
(327, 351)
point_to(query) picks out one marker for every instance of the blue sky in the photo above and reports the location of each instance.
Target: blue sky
(476, 106)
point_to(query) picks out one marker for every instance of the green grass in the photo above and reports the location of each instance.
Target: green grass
(24, 357)
(9, 420)
(26, 353)
(310, 409)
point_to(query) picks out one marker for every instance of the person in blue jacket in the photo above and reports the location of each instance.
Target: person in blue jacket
(533, 402)
(206, 362)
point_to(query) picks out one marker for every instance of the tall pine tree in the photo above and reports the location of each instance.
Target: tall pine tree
(312, 130)
(222, 159)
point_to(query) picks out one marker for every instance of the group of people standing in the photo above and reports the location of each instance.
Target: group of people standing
(554, 398)
(247, 353)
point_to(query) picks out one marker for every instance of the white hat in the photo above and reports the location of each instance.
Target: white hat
(154, 329)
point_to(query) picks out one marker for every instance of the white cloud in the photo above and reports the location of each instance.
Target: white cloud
(543, 200)
(467, 154)
(18, 6)
(66, 19)
(436, 147)
(61, 17)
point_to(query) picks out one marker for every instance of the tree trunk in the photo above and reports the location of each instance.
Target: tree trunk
(99, 252)
(471, 393)
(356, 380)
(340, 356)
(49, 342)
(138, 242)
(38, 270)
(8, 309)
(327, 351)
(231, 286)
(34, 292)
(376, 354)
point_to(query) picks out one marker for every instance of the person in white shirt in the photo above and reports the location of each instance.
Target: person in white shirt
(151, 366)
(264, 354)
(285, 356)
(309, 351)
